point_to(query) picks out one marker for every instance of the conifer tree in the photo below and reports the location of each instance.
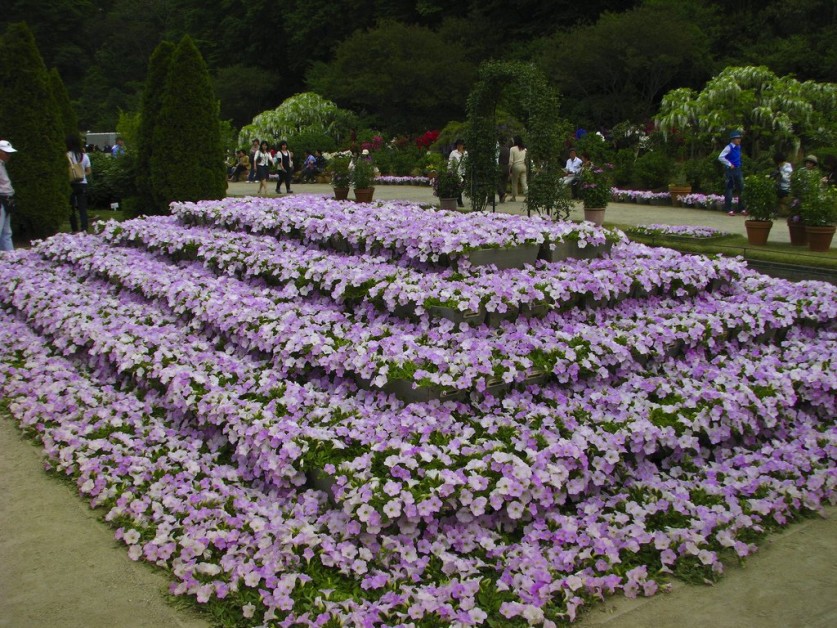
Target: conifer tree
(69, 119)
(30, 120)
(152, 97)
(187, 156)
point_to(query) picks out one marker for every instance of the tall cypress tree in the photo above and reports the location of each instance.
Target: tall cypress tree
(187, 156)
(30, 120)
(69, 119)
(152, 101)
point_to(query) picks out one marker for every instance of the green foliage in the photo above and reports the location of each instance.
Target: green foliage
(623, 162)
(617, 68)
(546, 132)
(69, 120)
(338, 168)
(30, 120)
(363, 174)
(111, 180)
(448, 184)
(405, 77)
(760, 196)
(187, 158)
(817, 202)
(312, 141)
(399, 160)
(653, 170)
(704, 174)
(245, 90)
(596, 185)
(152, 100)
(301, 114)
(774, 112)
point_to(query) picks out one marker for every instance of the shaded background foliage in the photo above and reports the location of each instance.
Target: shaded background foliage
(260, 52)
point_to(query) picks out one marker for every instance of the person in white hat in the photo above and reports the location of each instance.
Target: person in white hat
(7, 197)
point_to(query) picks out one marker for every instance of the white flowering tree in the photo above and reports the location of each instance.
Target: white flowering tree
(772, 111)
(305, 113)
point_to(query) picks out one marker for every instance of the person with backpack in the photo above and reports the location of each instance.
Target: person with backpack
(80, 168)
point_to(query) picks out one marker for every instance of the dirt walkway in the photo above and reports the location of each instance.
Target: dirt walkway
(60, 566)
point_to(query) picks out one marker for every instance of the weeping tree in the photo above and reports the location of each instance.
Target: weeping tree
(533, 102)
(187, 155)
(303, 114)
(774, 112)
(152, 99)
(31, 121)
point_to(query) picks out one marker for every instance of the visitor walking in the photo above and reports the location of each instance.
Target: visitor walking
(455, 161)
(517, 161)
(254, 148)
(783, 173)
(7, 198)
(78, 193)
(503, 168)
(263, 160)
(733, 177)
(284, 166)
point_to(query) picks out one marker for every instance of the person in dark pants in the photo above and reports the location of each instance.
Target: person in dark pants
(733, 176)
(503, 169)
(78, 196)
(254, 148)
(284, 166)
(7, 197)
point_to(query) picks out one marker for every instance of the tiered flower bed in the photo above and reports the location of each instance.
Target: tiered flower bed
(216, 382)
(402, 180)
(678, 231)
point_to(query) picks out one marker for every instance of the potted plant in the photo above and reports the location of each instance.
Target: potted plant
(819, 213)
(448, 186)
(595, 192)
(679, 186)
(340, 176)
(761, 200)
(363, 178)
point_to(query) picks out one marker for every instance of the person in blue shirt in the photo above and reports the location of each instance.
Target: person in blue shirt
(119, 148)
(733, 177)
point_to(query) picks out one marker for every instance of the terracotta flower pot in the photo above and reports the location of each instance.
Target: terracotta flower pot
(757, 231)
(364, 195)
(341, 194)
(447, 203)
(594, 215)
(798, 236)
(819, 238)
(677, 192)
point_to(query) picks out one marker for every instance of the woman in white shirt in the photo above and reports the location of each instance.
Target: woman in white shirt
(263, 159)
(517, 161)
(78, 196)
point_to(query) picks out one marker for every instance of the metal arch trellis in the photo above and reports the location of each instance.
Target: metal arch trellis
(546, 131)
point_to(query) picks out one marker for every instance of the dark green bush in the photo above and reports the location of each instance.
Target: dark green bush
(309, 141)
(112, 179)
(653, 170)
(623, 167)
(705, 174)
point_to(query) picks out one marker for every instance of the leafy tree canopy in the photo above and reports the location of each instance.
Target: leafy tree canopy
(405, 77)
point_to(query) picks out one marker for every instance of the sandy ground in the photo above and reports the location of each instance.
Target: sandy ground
(60, 565)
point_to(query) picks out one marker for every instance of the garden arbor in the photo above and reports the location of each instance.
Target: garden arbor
(537, 104)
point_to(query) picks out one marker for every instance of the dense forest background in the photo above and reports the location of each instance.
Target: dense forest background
(408, 65)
